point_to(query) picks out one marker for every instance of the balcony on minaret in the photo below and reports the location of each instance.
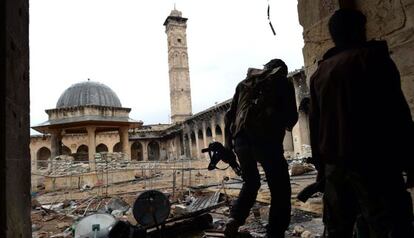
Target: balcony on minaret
(175, 15)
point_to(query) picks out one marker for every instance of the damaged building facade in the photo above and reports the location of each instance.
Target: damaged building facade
(89, 118)
(389, 20)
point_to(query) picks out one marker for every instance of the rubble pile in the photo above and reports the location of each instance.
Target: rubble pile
(66, 165)
(111, 161)
(306, 151)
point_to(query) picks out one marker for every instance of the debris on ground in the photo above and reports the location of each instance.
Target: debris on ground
(300, 168)
(201, 208)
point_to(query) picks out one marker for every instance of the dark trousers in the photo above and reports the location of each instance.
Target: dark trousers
(377, 194)
(270, 156)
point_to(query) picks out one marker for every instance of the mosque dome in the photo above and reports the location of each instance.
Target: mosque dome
(88, 93)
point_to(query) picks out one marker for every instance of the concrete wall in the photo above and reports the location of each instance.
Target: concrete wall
(14, 114)
(391, 20)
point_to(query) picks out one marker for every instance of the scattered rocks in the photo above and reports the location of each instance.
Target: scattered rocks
(300, 168)
(116, 203)
(35, 204)
(307, 234)
(117, 213)
(86, 187)
(48, 218)
(298, 230)
(179, 209)
(36, 227)
(63, 225)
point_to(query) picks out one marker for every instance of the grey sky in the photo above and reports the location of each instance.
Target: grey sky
(122, 44)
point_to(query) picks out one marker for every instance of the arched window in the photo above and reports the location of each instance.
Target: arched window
(153, 151)
(43, 155)
(82, 153)
(193, 139)
(101, 148)
(209, 135)
(118, 147)
(82, 149)
(200, 134)
(136, 151)
(184, 59)
(176, 58)
(194, 152)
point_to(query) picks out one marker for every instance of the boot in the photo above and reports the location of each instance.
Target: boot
(232, 228)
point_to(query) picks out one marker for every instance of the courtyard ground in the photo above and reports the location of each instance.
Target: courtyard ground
(55, 213)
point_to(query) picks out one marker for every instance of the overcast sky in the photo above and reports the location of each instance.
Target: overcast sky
(122, 43)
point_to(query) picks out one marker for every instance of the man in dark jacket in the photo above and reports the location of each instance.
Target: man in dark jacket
(263, 107)
(361, 130)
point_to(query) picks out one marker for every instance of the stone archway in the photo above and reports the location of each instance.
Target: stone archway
(118, 148)
(209, 135)
(101, 148)
(187, 146)
(82, 153)
(43, 156)
(82, 149)
(219, 134)
(136, 151)
(153, 151)
(182, 145)
(202, 143)
(193, 147)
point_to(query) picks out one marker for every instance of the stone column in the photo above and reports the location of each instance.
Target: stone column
(91, 146)
(197, 143)
(223, 130)
(184, 145)
(204, 129)
(288, 142)
(303, 121)
(190, 145)
(177, 147)
(124, 139)
(213, 129)
(301, 133)
(55, 140)
(144, 151)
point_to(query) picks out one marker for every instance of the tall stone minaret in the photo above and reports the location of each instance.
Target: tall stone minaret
(180, 90)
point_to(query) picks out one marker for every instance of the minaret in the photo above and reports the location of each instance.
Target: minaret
(180, 90)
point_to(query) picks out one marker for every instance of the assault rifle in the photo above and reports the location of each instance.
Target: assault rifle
(217, 152)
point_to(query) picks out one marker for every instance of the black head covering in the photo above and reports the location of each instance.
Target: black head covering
(347, 27)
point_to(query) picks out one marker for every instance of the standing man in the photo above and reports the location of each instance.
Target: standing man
(263, 107)
(361, 131)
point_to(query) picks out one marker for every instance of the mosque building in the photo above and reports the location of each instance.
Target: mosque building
(89, 118)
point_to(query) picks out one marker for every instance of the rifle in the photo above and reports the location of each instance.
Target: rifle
(217, 152)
